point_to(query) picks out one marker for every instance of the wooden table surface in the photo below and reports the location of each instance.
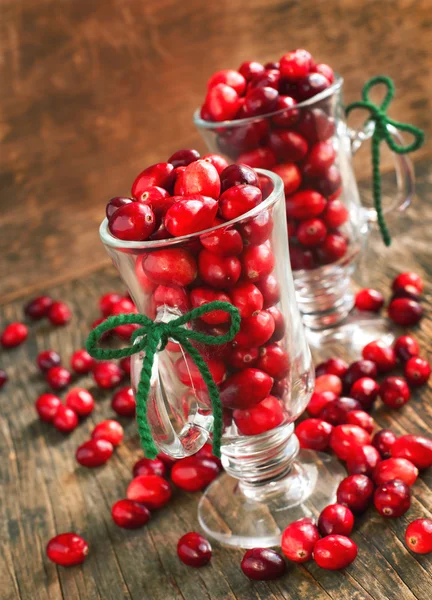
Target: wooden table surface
(89, 93)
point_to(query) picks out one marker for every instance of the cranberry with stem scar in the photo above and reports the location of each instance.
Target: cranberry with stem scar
(395, 468)
(311, 232)
(383, 441)
(417, 371)
(257, 262)
(133, 222)
(394, 392)
(314, 434)
(219, 271)
(418, 536)
(263, 564)
(299, 539)
(247, 298)
(336, 519)
(392, 499)
(356, 492)
(255, 331)
(194, 550)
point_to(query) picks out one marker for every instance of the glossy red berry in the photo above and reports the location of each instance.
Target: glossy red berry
(299, 539)
(134, 222)
(364, 461)
(335, 214)
(417, 371)
(224, 242)
(110, 431)
(325, 70)
(151, 490)
(222, 102)
(237, 200)
(356, 492)
(219, 271)
(182, 158)
(67, 549)
(394, 392)
(199, 179)
(190, 214)
(332, 366)
(47, 406)
(148, 466)
(415, 448)
(311, 232)
(250, 69)
(288, 146)
(115, 203)
(255, 331)
(59, 314)
(65, 419)
(408, 278)
(314, 434)
(335, 552)
(80, 401)
(295, 65)
(336, 519)
(395, 468)
(263, 564)
(237, 175)
(245, 389)
(360, 418)
(219, 162)
(47, 359)
(260, 100)
(274, 360)
(382, 355)
(264, 416)
(257, 262)
(203, 295)
(366, 391)
(58, 377)
(302, 259)
(81, 362)
(107, 374)
(369, 300)
(160, 175)
(346, 439)
(332, 249)
(107, 302)
(392, 499)
(336, 412)
(383, 440)
(247, 298)
(38, 307)
(190, 375)
(318, 401)
(405, 311)
(311, 85)
(290, 175)
(194, 550)
(129, 514)
(328, 383)
(357, 370)
(194, 473)
(94, 453)
(125, 364)
(418, 536)
(123, 402)
(13, 335)
(406, 347)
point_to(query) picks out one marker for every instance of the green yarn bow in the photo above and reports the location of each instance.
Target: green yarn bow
(381, 133)
(152, 337)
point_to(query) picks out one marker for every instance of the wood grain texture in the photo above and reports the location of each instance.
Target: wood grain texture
(92, 91)
(45, 492)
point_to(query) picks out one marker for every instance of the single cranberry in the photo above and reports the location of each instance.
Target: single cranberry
(264, 416)
(316, 125)
(129, 514)
(200, 178)
(417, 371)
(357, 370)
(418, 536)
(404, 311)
(382, 355)
(247, 298)
(189, 374)
(270, 289)
(110, 431)
(114, 204)
(48, 359)
(182, 158)
(305, 204)
(81, 362)
(237, 175)
(124, 306)
(336, 411)
(94, 453)
(274, 360)
(311, 85)
(290, 175)
(360, 418)
(194, 473)
(59, 314)
(189, 215)
(346, 439)
(328, 383)
(329, 184)
(151, 490)
(392, 499)
(311, 232)
(270, 78)
(318, 401)
(3, 378)
(219, 271)
(332, 249)
(366, 391)
(257, 230)
(369, 300)
(222, 102)
(65, 419)
(250, 69)
(148, 466)
(394, 392)
(245, 389)
(80, 401)
(229, 77)
(335, 552)
(299, 539)
(383, 440)
(203, 295)
(289, 146)
(406, 347)
(336, 519)
(123, 402)
(314, 434)
(332, 366)
(280, 326)
(224, 242)
(38, 307)
(257, 262)
(237, 200)
(295, 65)
(408, 278)
(206, 451)
(107, 374)
(13, 335)
(125, 365)
(160, 175)
(255, 331)
(263, 564)
(325, 70)
(364, 461)
(335, 215)
(107, 301)
(47, 406)
(133, 222)
(260, 100)
(356, 491)
(395, 468)
(58, 377)
(287, 115)
(415, 448)
(194, 550)
(67, 549)
(219, 162)
(302, 259)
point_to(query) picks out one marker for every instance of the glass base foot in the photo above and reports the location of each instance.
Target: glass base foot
(347, 339)
(248, 516)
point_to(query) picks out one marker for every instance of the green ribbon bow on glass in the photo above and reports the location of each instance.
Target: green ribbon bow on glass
(152, 337)
(381, 133)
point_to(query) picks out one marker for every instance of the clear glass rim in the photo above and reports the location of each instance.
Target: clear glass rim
(202, 124)
(113, 242)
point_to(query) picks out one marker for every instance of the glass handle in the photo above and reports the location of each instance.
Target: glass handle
(405, 181)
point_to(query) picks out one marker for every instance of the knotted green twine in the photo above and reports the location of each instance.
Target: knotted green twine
(152, 337)
(381, 132)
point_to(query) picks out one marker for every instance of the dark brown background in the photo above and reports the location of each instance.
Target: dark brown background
(90, 92)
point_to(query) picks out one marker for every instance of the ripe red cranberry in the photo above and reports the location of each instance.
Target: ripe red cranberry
(280, 326)
(189, 374)
(263, 564)
(264, 416)
(194, 550)
(395, 468)
(65, 419)
(247, 298)
(245, 389)
(336, 519)
(335, 214)
(287, 115)
(38, 307)
(311, 232)
(362, 419)
(171, 296)
(203, 295)
(58, 377)
(107, 374)
(194, 473)
(404, 311)
(366, 391)
(290, 175)
(383, 440)
(328, 383)
(189, 215)
(318, 401)
(274, 360)
(107, 302)
(48, 359)
(255, 331)
(59, 313)
(270, 78)
(332, 366)
(237, 175)
(394, 392)
(129, 514)
(406, 347)
(335, 552)
(295, 65)
(314, 434)
(67, 549)
(200, 178)
(392, 499)
(110, 431)
(299, 539)
(302, 259)
(182, 158)
(321, 156)
(305, 204)
(332, 248)
(316, 125)
(369, 300)
(356, 491)
(125, 365)
(269, 288)
(47, 406)
(257, 261)
(124, 306)
(219, 271)
(133, 222)
(81, 362)
(311, 85)
(151, 490)
(415, 448)
(357, 370)
(409, 291)
(160, 175)
(289, 146)
(116, 203)
(346, 439)
(408, 278)
(250, 69)
(325, 70)
(382, 355)
(336, 411)
(148, 466)
(364, 461)
(13, 335)
(94, 453)
(417, 371)
(123, 402)
(260, 100)
(257, 230)
(237, 200)
(418, 536)
(222, 102)
(80, 401)
(224, 242)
